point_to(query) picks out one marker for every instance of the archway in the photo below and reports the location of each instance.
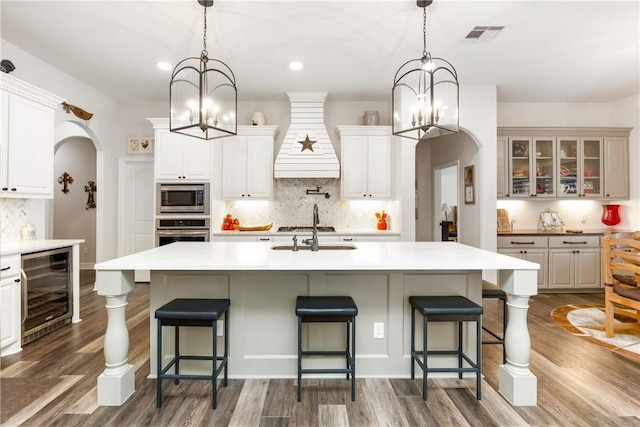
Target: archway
(66, 131)
(463, 149)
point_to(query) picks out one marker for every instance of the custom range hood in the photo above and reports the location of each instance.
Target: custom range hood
(306, 150)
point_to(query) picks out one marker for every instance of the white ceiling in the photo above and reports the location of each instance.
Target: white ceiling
(571, 51)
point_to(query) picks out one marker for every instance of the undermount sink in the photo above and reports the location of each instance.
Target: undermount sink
(308, 248)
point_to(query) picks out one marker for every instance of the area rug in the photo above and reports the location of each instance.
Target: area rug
(587, 321)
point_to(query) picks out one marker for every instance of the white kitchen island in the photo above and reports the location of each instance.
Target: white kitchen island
(263, 284)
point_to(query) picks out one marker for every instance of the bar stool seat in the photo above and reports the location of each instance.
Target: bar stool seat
(491, 291)
(445, 309)
(199, 313)
(328, 309)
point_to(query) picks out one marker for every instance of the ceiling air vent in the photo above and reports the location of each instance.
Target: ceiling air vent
(483, 33)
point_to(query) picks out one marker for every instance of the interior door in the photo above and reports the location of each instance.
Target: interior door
(136, 209)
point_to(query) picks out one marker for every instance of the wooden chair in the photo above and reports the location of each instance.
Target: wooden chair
(621, 262)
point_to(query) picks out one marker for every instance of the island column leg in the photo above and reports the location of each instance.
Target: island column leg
(117, 383)
(516, 382)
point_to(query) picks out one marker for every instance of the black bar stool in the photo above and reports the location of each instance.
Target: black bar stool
(489, 290)
(192, 312)
(445, 309)
(328, 309)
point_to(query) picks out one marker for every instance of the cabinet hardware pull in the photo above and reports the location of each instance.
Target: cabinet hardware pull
(5, 269)
(574, 243)
(522, 243)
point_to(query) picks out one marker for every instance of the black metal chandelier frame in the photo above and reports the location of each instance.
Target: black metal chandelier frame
(425, 122)
(203, 122)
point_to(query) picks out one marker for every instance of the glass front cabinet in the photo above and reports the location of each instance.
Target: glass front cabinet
(580, 167)
(564, 163)
(532, 169)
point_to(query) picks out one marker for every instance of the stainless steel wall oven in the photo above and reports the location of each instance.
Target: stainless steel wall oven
(47, 292)
(181, 230)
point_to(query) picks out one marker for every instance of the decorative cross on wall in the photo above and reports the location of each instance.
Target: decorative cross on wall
(65, 179)
(90, 188)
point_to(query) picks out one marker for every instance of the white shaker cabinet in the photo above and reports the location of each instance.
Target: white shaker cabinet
(180, 158)
(367, 162)
(27, 139)
(574, 262)
(10, 321)
(530, 248)
(247, 163)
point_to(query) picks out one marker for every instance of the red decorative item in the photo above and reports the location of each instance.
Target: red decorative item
(382, 220)
(610, 215)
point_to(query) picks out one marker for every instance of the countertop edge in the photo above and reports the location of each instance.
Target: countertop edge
(28, 246)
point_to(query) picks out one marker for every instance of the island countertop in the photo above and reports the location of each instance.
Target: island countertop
(368, 256)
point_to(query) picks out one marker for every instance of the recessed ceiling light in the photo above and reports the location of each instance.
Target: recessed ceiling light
(163, 65)
(295, 65)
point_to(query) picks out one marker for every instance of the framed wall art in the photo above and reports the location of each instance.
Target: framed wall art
(469, 185)
(140, 145)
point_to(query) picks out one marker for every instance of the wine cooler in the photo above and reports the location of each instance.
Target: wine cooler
(46, 292)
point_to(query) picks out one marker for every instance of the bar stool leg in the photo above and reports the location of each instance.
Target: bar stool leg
(159, 366)
(353, 359)
(346, 356)
(459, 349)
(424, 358)
(299, 356)
(413, 342)
(226, 347)
(214, 397)
(176, 346)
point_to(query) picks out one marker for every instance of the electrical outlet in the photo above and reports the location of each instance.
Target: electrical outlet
(220, 329)
(378, 330)
(85, 251)
(583, 217)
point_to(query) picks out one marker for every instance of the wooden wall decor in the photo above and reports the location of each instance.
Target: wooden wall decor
(65, 179)
(90, 188)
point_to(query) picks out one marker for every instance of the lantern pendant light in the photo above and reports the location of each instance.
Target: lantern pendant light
(203, 96)
(425, 94)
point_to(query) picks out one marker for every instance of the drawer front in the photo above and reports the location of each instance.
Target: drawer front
(574, 242)
(10, 266)
(522, 242)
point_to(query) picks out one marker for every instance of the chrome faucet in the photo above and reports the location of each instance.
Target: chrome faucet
(314, 239)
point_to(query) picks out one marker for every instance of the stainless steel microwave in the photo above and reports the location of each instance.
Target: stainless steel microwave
(182, 199)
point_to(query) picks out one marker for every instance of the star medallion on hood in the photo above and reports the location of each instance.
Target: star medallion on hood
(307, 144)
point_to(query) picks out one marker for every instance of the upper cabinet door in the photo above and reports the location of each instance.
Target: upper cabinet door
(379, 167)
(30, 148)
(616, 167)
(247, 163)
(181, 158)
(168, 156)
(354, 167)
(367, 162)
(520, 182)
(502, 167)
(580, 167)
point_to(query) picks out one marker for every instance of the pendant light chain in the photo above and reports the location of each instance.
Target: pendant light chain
(204, 35)
(424, 31)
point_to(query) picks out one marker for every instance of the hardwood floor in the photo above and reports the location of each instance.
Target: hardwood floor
(52, 382)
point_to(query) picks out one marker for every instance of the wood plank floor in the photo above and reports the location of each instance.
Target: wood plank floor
(52, 382)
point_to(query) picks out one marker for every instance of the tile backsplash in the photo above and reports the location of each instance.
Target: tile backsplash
(13, 216)
(291, 205)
